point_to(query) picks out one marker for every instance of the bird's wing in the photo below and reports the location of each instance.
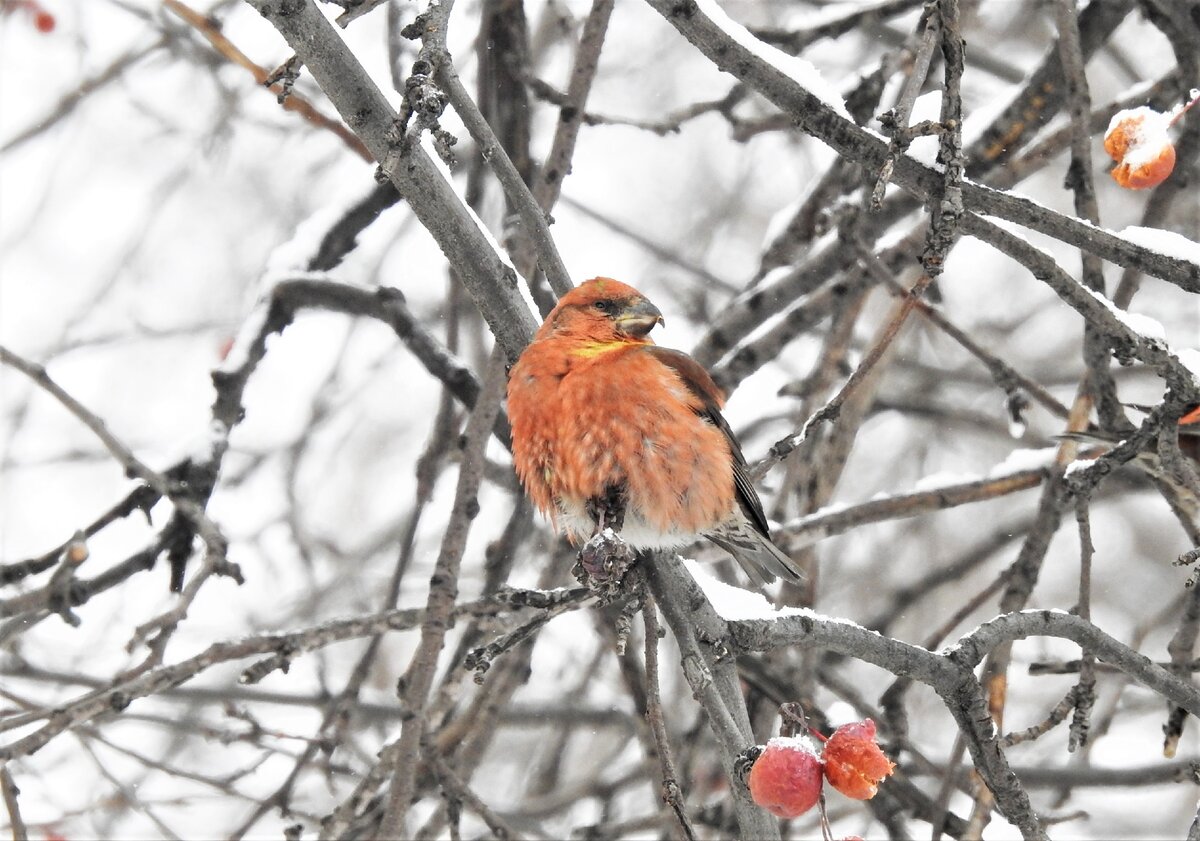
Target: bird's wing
(701, 385)
(1190, 422)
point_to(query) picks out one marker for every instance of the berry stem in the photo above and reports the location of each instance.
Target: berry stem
(1194, 93)
(793, 719)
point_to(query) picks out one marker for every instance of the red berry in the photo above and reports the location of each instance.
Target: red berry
(786, 778)
(44, 21)
(854, 764)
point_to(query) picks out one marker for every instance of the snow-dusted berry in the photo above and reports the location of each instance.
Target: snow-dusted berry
(854, 764)
(786, 777)
(1138, 141)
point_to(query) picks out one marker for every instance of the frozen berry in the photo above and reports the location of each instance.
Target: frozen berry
(1137, 140)
(786, 777)
(854, 764)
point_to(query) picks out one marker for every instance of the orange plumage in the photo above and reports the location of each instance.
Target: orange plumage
(611, 430)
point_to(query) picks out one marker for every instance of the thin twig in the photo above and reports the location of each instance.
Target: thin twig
(489, 280)
(583, 73)
(829, 412)
(1056, 717)
(460, 790)
(110, 697)
(206, 528)
(1006, 376)
(98, 81)
(443, 588)
(1084, 693)
(291, 101)
(532, 211)
(671, 793)
(896, 120)
(822, 524)
(10, 792)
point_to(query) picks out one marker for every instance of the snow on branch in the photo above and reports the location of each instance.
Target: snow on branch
(491, 282)
(838, 518)
(831, 126)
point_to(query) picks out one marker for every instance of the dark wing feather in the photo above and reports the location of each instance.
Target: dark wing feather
(699, 383)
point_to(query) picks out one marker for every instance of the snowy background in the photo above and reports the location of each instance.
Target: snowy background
(151, 194)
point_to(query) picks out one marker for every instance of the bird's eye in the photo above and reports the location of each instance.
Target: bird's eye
(606, 307)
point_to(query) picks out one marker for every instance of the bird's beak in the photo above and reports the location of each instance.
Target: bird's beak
(639, 319)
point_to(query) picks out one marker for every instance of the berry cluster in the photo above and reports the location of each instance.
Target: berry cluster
(787, 776)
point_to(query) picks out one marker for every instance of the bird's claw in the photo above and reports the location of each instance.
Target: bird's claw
(604, 565)
(603, 562)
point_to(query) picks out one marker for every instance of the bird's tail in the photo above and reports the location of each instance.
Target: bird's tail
(1179, 494)
(756, 554)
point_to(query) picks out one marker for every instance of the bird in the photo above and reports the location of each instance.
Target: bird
(1187, 428)
(609, 430)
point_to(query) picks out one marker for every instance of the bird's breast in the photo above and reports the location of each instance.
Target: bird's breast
(619, 418)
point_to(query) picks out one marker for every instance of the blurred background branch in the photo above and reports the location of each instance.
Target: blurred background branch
(281, 579)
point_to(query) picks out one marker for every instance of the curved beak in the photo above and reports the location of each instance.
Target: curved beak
(639, 318)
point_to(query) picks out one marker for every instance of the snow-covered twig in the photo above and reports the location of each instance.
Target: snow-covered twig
(711, 671)
(836, 519)
(805, 97)
(491, 284)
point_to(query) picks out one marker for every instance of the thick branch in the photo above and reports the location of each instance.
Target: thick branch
(488, 278)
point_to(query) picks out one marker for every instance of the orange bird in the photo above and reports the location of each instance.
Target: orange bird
(610, 430)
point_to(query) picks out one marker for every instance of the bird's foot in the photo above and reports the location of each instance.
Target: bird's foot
(603, 562)
(1187, 559)
(607, 567)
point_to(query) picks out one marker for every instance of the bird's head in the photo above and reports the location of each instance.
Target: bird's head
(603, 309)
